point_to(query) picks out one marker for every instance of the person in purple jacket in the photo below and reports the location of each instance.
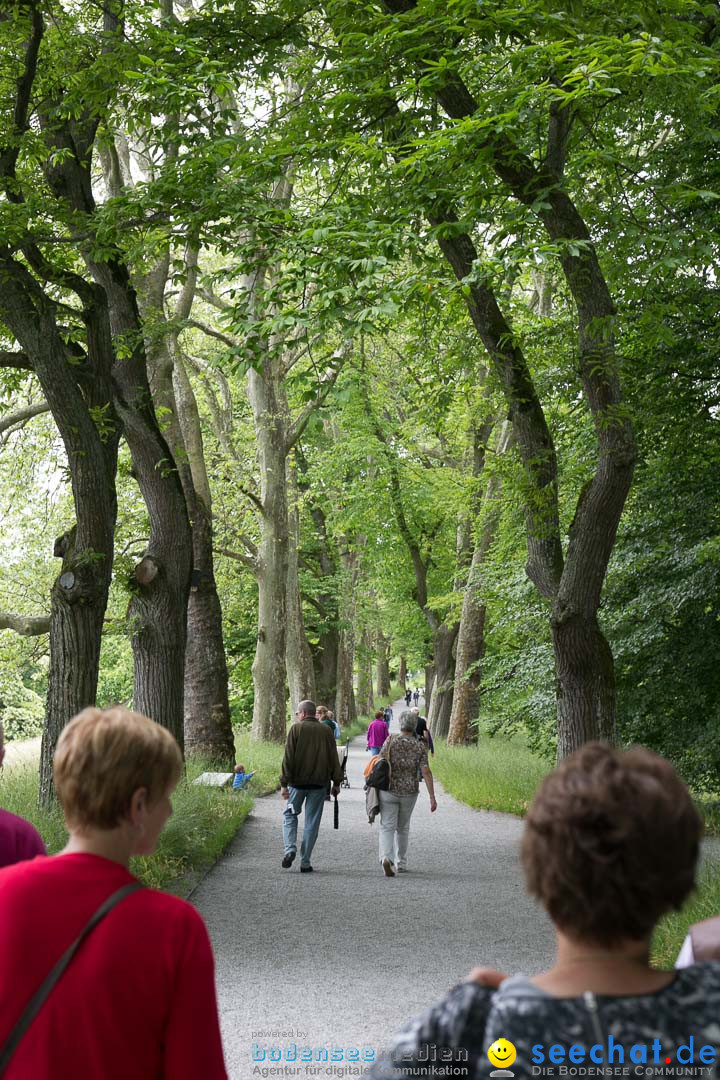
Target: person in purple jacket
(19, 839)
(377, 733)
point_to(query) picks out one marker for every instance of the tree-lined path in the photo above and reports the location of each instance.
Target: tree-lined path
(344, 954)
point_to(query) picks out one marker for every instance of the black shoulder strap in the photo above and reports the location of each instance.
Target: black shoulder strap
(41, 995)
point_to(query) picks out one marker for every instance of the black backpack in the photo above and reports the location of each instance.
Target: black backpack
(379, 775)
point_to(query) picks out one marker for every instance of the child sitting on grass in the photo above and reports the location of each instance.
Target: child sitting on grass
(241, 777)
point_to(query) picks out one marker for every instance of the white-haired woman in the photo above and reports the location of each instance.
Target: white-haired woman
(407, 757)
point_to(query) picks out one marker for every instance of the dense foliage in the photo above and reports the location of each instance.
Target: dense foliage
(286, 187)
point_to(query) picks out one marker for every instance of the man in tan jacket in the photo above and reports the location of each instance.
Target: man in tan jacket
(310, 762)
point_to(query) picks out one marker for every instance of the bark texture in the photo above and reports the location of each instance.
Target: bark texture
(382, 670)
(207, 726)
(345, 707)
(441, 694)
(471, 635)
(298, 658)
(326, 652)
(270, 414)
(79, 594)
(365, 696)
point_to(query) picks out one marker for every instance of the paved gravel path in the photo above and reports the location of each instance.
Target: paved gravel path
(342, 956)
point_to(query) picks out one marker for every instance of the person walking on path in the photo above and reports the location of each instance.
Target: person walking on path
(377, 733)
(406, 755)
(326, 717)
(408, 697)
(310, 762)
(19, 839)
(138, 997)
(421, 729)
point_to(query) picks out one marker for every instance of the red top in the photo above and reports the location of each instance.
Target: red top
(137, 1002)
(18, 839)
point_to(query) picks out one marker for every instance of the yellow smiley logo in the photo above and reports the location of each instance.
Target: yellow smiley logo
(502, 1053)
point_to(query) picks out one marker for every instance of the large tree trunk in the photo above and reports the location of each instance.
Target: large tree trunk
(325, 662)
(158, 610)
(585, 682)
(207, 726)
(299, 661)
(585, 685)
(269, 709)
(468, 673)
(365, 696)
(208, 729)
(383, 666)
(429, 686)
(345, 707)
(79, 594)
(441, 700)
(402, 672)
(76, 623)
(326, 652)
(471, 635)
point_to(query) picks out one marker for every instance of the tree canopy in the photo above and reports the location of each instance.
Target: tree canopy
(362, 333)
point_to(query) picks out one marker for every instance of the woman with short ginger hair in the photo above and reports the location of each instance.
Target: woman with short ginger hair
(610, 845)
(138, 998)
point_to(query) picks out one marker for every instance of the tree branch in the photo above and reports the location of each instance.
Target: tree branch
(21, 415)
(11, 359)
(246, 560)
(9, 154)
(231, 342)
(252, 497)
(299, 425)
(27, 625)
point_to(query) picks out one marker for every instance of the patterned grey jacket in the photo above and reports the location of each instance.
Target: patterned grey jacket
(672, 1033)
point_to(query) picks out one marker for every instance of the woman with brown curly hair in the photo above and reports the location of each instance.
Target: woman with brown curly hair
(610, 845)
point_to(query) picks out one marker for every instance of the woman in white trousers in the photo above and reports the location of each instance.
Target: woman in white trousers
(407, 757)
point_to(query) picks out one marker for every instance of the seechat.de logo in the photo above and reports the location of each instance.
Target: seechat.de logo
(502, 1053)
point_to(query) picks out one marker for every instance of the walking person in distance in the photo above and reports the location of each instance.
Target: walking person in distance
(407, 757)
(310, 762)
(377, 733)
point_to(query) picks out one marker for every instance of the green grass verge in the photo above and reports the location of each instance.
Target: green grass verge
(502, 774)
(203, 822)
(497, 774)
(704, 903)
(19, 794)
(262, 758)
